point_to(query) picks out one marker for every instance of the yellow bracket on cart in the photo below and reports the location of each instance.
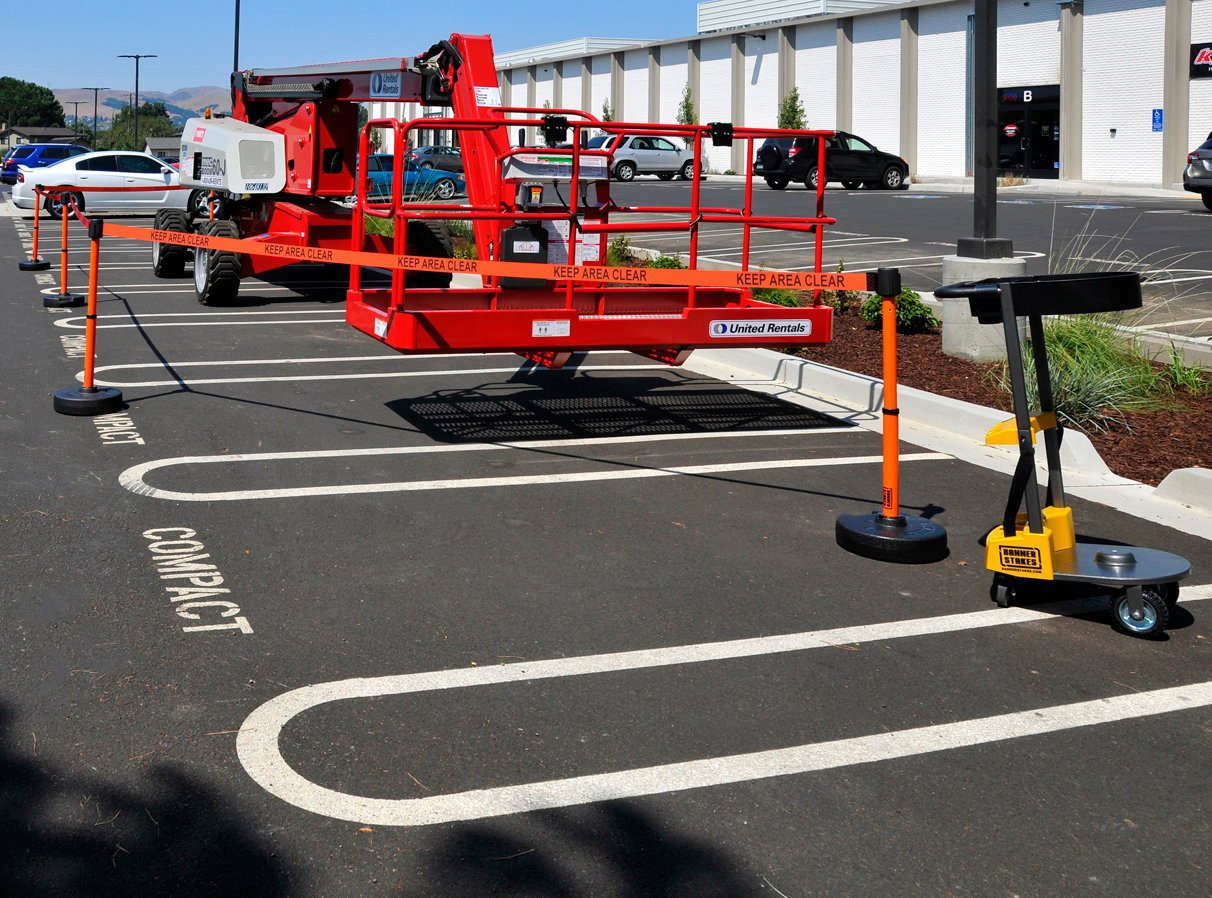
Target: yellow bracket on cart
(1006, 433)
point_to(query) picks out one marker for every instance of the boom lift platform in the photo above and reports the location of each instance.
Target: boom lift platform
(282, 167)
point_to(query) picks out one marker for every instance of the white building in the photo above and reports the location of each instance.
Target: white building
(1103, 90)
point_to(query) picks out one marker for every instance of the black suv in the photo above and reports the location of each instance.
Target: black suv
(848, 159)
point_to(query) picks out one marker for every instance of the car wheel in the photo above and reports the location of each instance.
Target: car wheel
(893, 178)
(852, 185)
(812, 180)
(426, 165)
(625, 171)
(428, 238)
(217, 271)
(168, 259)
(776, 183)
(199, 204)
(57, 208)
(444, 189)
(686, 172)
(665, 175)
(1207, 198)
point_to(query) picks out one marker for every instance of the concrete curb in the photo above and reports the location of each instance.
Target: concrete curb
(1182, 501)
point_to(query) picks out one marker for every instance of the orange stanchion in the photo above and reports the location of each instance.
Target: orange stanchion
(89, 399)
(888, 535)
(64, 298)
(35, 262)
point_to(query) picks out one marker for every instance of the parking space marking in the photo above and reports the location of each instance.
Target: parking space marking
(133, 478)
(203, 319)
(295, 378)
(257, 743)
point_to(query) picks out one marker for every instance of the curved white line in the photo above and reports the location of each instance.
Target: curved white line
(257, 743)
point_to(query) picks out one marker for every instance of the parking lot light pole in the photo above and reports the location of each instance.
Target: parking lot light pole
(235, 51)
(136, 57)
(94, 90)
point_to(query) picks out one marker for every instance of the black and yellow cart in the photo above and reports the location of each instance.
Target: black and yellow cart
(1041, 544)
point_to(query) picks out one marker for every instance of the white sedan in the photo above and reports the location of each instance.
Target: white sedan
(106, 168)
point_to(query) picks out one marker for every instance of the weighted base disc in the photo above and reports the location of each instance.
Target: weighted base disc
(33, 265)
(905, 539)
(88, 401)
(63, 300)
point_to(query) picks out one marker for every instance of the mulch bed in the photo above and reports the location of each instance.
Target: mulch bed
(1158, 442)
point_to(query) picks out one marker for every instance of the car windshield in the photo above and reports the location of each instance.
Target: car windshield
(599, 141)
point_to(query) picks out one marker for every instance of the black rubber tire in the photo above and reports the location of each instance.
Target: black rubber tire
(665, 175)
(892, 178)
(427, 238)
(776, 183)
(1155, 620)
(168, 259)
(57, 210)
(426, 165)
(771, 158)
(852, 185)
(445, 188)
(686, 172)
(810, 179)
(625, 171)
(1207, 198)
(1003, 591)
(199, 201)
(217, 272)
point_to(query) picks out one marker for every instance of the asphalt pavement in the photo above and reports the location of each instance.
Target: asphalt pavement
(311, 618)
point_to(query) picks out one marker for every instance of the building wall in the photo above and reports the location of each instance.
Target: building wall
(816, 72)
(1123, 54)
(1120, 90)
(877, 80)
(942, 90)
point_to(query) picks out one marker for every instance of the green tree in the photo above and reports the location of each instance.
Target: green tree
(687, 114)
(607, 112)
(154, 121)
(25, 103)
(791, 111)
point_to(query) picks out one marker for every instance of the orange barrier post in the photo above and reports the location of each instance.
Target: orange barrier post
(63, 299)
(888, 535)
(89, 399)
(34, 262)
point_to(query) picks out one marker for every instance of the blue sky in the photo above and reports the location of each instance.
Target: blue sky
(193, 42)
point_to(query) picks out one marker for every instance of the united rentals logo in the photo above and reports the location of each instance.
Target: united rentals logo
(779, 327)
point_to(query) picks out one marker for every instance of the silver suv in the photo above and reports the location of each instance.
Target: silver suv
(1197, 176)
(645, 155)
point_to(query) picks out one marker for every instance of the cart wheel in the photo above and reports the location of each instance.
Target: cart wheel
(1168, 592)
(1003, 591)
(1155, 616)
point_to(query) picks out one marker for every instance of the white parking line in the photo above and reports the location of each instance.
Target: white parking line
(133, 478)
(257, 743)
(202, 319)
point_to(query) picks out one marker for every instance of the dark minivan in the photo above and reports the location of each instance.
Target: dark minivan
(36, 155)
(848, 159)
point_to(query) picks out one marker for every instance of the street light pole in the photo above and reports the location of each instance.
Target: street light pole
(136, 57)
(94, 90)
(235, 53)
(75, 110)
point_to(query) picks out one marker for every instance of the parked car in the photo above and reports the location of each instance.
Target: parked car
(418, 180)
(445, 158)
(643, 154)
(848, 158)
(1197, 176)
(36, 155)
(104, 169)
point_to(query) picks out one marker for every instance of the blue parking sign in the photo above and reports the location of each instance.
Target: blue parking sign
(1157, 119)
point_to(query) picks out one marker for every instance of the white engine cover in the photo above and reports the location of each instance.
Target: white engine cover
(226, 154)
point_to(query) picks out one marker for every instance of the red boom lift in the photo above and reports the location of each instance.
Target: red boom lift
(282, 168)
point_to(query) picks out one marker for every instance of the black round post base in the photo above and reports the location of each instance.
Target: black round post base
(88, 401)
(63, 300)
(33, 265)
(905, 539)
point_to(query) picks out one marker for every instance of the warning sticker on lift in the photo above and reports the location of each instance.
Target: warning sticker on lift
(774, 328)
(551, 328)
(488, 96)
(586, 247)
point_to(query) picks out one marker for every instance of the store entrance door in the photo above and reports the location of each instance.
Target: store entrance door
(1028, 129)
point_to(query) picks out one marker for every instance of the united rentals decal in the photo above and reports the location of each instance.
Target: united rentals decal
(771, 328)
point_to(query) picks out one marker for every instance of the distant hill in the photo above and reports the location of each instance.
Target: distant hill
(181, 104)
